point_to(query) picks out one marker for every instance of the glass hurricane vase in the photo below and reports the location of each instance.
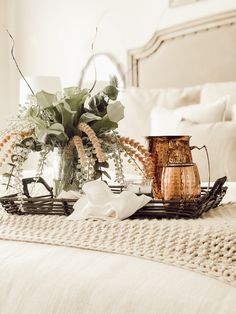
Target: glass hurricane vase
(67, 173)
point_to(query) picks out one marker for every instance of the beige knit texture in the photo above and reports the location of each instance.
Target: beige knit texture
(206, 246)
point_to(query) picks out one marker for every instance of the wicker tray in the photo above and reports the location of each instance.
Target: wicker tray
(49, 205)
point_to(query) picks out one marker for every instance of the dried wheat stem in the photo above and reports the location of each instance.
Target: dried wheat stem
(143, 152)
(132, 152)
(68, 150)
(77, 141)
(13, 138)
(146, 162)
(9, 150)
(94, 140)
(134, 144)
(23, 134)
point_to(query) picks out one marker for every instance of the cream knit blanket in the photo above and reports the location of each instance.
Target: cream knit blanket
(206, 246)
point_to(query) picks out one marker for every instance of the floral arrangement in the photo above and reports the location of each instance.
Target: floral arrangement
(82, 128)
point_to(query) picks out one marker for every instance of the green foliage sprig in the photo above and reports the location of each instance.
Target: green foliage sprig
(54, 121)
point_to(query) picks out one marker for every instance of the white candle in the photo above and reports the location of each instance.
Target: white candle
(139, 187)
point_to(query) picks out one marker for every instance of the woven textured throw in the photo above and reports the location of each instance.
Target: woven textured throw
(206, 246)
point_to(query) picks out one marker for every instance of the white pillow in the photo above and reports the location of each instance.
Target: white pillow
(212, 91)
(233, 112)
(165, 121)
(139, 102)
(220, 139)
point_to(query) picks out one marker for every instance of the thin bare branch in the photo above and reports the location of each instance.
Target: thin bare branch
(94, 65)
(14, 59)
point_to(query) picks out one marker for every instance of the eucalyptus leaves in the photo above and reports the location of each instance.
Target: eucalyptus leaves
(82, 128)
(77, 124)
(57, 117)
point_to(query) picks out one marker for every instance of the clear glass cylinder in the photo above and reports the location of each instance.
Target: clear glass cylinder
(66, 172)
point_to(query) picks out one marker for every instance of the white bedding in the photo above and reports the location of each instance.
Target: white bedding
(44, 279)
(36, 278)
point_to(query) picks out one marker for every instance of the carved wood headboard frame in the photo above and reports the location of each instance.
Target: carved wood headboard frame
(192, 37)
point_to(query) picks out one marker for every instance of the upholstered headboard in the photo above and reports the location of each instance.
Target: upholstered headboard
(190, 54)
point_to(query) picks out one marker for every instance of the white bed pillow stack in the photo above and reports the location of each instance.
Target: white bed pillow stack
(206, 124)
(139, 102)
(220, 139)
(161, 111)
(233, 111)
(165, 121)
(212, 91)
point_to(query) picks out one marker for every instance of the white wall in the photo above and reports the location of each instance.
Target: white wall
(53, 37)
(5, 90)
(56, 35)
(8, 73)
(196, 10)
(3, 63)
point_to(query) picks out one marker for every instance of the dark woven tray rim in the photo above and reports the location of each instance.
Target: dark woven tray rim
(192, 208)
(48, 198)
